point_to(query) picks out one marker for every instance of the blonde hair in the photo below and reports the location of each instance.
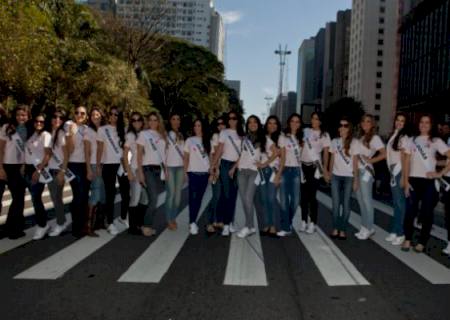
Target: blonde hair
(161, 128)
(367, 136)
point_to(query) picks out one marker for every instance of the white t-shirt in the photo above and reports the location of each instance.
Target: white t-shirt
(266, 155)
(57, 150)
(151, 156)
(374, 145)
(91, 136)
(428, 149)
(393, 156)
(14, 152)
(293, 150)
(198, 158)
(318, 143)
(77, 155)
(343, 164)
(130, 142)
(229, 150)
(112, 152)
(247, 160)
(35, 147)
(174, 158)
(448, 159)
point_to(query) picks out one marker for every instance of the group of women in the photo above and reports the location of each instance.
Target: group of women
(94, 153)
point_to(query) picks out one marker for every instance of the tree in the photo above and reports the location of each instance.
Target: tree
(347, 107)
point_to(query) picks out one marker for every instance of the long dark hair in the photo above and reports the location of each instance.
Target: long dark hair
(63, 114)
(206, 136)
(130, 125)
(43, 115)
(258, 138)
(367, 136)
(215, 124)
(299, 133)
(405, 131)
(275, 135)
(321, 119)
(433, 134)
(102, 120)
(120, 126)
(179, 134)
(239, 125)
(348, 140)
(12, 123)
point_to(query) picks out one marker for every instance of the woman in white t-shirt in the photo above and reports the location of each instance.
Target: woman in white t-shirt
(151, 153)
(174, 170)
(97, 188)
(197, 150)
(447, 205)
(314, 157)
(422, 180)
(225, 158)
(37, 155)
(138, 196)
(110, 141)
(344, 176)
(291, 148)
(75, 161)
(369, 145)
(13, 136)
(396, 157)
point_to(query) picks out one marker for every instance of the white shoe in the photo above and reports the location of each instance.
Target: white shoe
(398, 241)
(57, 230)
(447, 250)
(112, 229)
(122, 222)
(283, 233)
(40, 232)
(311, 228)
(226, 230)
(366, 234)
(417, 224)
(232, 229)
(361, 231)
(244, 232)
(302, 226)
(193, 229)
(391, 237)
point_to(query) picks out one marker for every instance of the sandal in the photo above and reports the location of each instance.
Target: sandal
(419, 248)
(148, 232)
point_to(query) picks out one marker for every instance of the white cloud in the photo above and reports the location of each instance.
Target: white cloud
(230, 17)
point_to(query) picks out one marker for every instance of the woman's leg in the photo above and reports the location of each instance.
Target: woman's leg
(124, 188)
(170, 193)
(399, 201)
(295, 194)
(197, 188)
(36, 190)
(412, 207)
(229, 195)
(56, 194)
(336, 200)
(347, 193)
(109, 173)
(16, 185)
(285, 192)
(152, 180)
(429, 202)
(306, 190)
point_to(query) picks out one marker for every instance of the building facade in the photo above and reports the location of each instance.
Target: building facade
(305, 73)
(319, 56)
(328, 64)
(284, 106)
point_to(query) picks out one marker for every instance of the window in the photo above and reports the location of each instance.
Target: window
(379, 74)
(381, 20)
(381, 31)
(380, 53)
(380, 42)
(378, 85)
(377, 107)
(378, 96)
(377, 118)
(379, 63)
(382, 9)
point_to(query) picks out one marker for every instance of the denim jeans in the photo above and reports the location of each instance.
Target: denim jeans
(153, 181)
(309, 191)
(174, 188)
(341, 191)
(268, 193)
(109, 174)
(365, 201)
(137, 192)
(198, 181)
(424, 191)
(15, 220)
(36, 190)
(399, 201)
(56, 194)
(80, 192)
(97, 194)
(213, 204)
(289, 196)
(228, 194)
(247, 189)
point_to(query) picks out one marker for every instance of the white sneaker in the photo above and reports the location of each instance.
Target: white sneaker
(226, 230)
(57, 230)
(193, 229)
(302, 226)
(244, 232)
(283, 233)
(311, 228)
(447, 250)
(122, 222)
(40, 232)
(366, 234)
(112, 229)
(361, 231)
(391, 237)
(232, 229)
(398, 241)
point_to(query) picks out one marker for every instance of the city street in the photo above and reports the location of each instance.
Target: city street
(177, 276)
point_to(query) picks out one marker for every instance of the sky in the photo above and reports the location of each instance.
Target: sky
(255, 28)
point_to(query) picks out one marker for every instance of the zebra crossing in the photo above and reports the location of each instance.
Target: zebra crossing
(246, 264)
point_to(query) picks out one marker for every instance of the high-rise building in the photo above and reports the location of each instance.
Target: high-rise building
(305, 73)
(374, 58)
(424, 76)
(193, 20)
(319, 56)
(328, 64)
(284, 106)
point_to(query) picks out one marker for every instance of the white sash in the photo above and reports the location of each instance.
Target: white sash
(151, 140)
(121, 171)
(44, 176)
(297, 156)
(260, 180)
(20, 148)
(175, 145)
(368, 170)
(203, 154)
(316, 159)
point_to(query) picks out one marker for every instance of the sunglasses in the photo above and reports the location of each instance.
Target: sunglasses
(344, 125)
(39, 121)
(136, 120)
(232, 118)
(55, 116)
(80, 113)
(115, 114)
(220, 123)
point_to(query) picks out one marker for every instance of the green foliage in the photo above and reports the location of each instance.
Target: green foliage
(345, 107)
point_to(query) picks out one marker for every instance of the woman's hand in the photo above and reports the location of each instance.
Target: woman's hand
(231, 172)
(98, 170)
(355, 184)
(35, 177)
(90, 175)
(277, 180)
(141, 178)
(326, 176)
(130, 175)
(3, 175)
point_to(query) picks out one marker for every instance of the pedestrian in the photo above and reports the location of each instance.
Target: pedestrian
(13, 137)
(174, 170)
(291, 148)
(396, 159)
(371, 150)
(226, 156)
(272, 175)
(446, 198)
(3, 121)
(197, 150)
(110, 142)
(344, 176)
(422, 181)
(151, 152)
(314, 157)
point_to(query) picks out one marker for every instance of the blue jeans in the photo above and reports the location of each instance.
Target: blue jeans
(341, 191)
(365, 201)
(153, 181)
(228, 194)
(97, 189)
(399, 201)
(213, 204)
(198, 181)
(174, 187)
(268, 198)
(36, 190)
(80, 192)
(289, 196)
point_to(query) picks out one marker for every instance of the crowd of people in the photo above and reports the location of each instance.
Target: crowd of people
(94, 152)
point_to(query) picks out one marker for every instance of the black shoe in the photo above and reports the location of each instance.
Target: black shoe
(342, 237)
(264, 233)
(272, 235)
(16, 235)
(334, 236)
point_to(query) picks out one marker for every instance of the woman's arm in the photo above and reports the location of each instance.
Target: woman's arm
(381, 156)
(2, 154)
(355, 173)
